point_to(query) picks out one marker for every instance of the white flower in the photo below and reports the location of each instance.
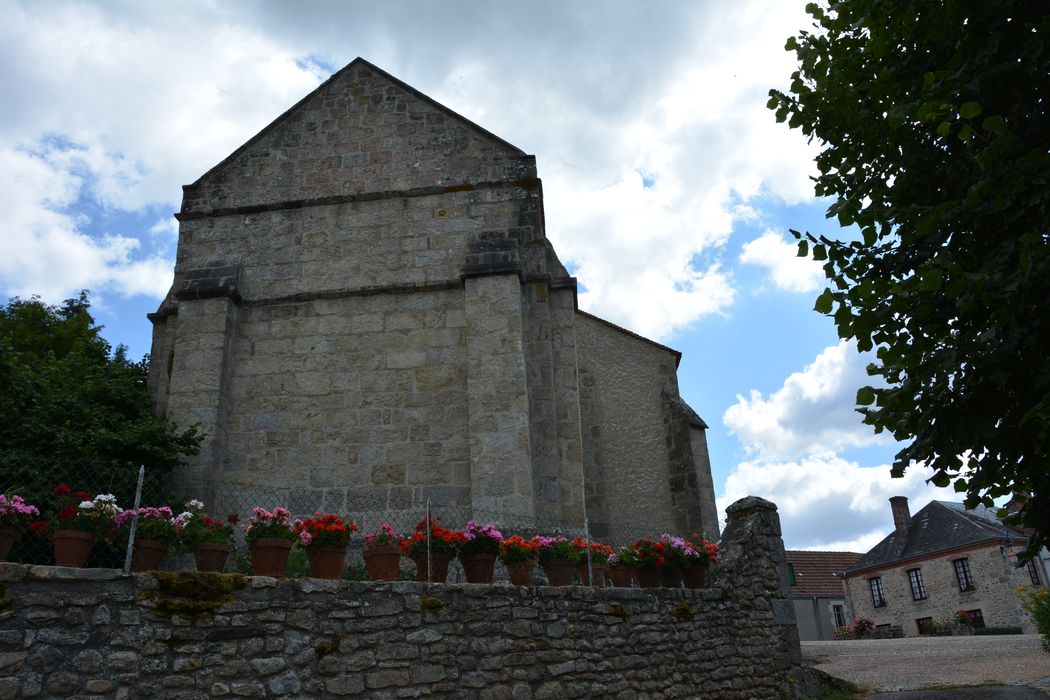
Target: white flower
(106, 498)
(195, 505)
(185, 516)
(86, 505)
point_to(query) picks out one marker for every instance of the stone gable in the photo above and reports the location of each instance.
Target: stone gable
(353, 136)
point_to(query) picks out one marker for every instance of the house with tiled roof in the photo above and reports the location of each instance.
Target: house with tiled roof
(943, 559)
(818, 591)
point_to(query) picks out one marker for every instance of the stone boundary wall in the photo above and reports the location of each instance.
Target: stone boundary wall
(97, 632)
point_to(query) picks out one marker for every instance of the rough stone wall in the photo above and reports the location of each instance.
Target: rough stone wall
(995, 578)
(72, 632)
(623, 378)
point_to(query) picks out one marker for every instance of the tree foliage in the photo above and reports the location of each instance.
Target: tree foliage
(72, 408)
(934, 133)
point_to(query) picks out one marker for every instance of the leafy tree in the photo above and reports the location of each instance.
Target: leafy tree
(74, 410)
(935, 143)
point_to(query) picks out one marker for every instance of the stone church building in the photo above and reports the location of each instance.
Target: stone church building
(365, 304)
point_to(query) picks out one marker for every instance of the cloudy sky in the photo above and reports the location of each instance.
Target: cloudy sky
(669, 187)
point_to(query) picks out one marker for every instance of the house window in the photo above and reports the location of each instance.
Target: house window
(878, 596)
(976, 618)
(918, 590)
(1033, 572)
(791, 575)
(840, 615)
(924, 624)
(963, 575)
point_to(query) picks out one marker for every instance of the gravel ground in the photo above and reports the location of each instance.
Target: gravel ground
(912, 663)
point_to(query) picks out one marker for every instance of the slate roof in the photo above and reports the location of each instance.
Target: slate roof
(814, 573)
(939, 527)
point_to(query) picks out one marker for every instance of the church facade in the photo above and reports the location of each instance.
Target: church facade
(366, 307)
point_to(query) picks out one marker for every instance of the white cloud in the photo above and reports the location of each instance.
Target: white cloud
(795, 438)
(789, 272)
(45, 251)
(826, 502)
(812, 413)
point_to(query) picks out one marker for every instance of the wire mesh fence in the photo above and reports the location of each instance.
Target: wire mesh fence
(36, 483)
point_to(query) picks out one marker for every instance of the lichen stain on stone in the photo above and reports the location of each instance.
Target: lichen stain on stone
(620, 611)
(683, 611)
(429, 604)
(6, 601)
(193, 595)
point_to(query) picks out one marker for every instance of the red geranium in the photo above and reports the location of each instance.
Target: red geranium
(62, 489)
(324, 529)
(442, 540)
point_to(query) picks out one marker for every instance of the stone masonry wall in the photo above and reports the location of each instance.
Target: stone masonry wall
(995, 577)
(99, 633)
(624, 379)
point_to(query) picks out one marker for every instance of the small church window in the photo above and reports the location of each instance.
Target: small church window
(840, 615)
(918, 588)
(963, 575)
(878, 596)
(1033, 572)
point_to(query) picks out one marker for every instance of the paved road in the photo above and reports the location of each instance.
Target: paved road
(916, 663)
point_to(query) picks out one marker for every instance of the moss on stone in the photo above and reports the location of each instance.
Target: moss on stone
(620, 611)
(193, 595)
(429, 604)
(6, 601)
(331, 647)
(683, 611)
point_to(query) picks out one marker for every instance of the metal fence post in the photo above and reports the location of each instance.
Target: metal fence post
(134, 519)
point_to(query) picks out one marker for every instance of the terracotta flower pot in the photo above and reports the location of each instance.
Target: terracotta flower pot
(269, 556)
(73, 547)
(326, 560)
(147, 555)
(694, 577)
(211, 556)
(440, 562)
(622, 576)
(522, 572)
(596, 576)
(559, 571)
(672, 577)
(383, 563)
(8, 536)
(479, 568)
(650, 576)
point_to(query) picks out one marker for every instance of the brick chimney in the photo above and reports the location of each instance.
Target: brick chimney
(901, 514)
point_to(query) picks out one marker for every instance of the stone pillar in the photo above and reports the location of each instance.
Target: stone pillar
(199, 372)
(705, 484)
(497, 396)
(542, 405)
(567, 404)
(752, 571)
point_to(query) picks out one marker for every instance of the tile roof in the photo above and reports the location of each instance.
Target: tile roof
(814, 572)
(939, 526)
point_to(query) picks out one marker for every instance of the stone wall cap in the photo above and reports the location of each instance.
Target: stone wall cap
(74, 573)
(750, 503)
(10, 571)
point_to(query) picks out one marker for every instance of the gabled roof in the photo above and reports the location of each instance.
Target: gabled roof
(819, 574)
(940, 526)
